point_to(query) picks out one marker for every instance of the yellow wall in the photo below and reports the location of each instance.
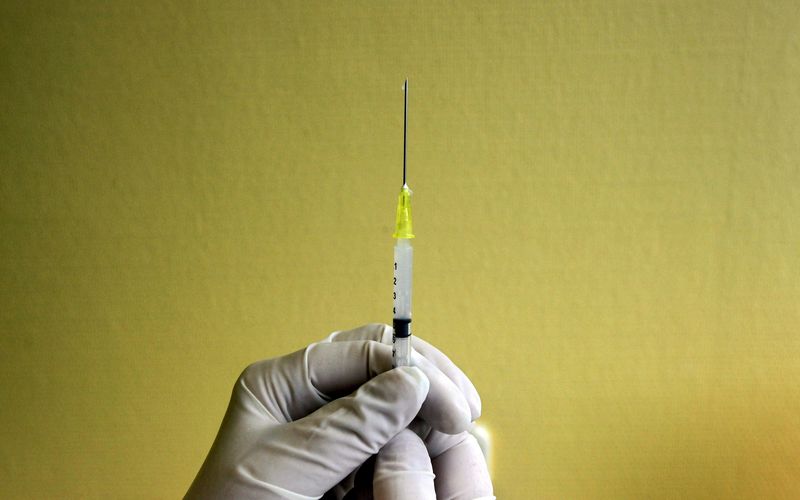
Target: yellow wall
(607, 198)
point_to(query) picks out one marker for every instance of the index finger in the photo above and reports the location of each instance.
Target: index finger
(295, 385)
(379, 332)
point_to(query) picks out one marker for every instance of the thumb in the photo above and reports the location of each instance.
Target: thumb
(311, 455)
(403, 470)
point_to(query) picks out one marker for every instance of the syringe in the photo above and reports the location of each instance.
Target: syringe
(403, 258)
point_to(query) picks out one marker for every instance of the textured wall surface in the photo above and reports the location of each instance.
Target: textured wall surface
(607, 198)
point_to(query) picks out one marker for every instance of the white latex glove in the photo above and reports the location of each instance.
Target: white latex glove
(292, 432)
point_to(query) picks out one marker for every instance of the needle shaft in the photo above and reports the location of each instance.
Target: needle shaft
(405, 127)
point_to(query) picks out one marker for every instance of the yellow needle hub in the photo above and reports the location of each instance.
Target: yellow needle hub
(403, 227)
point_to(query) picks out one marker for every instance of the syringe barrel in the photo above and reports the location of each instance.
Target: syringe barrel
(403, 260)
(401, 351)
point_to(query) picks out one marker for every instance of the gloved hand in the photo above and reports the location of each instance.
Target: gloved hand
(291, 431)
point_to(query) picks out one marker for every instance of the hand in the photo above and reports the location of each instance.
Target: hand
(290, 431)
